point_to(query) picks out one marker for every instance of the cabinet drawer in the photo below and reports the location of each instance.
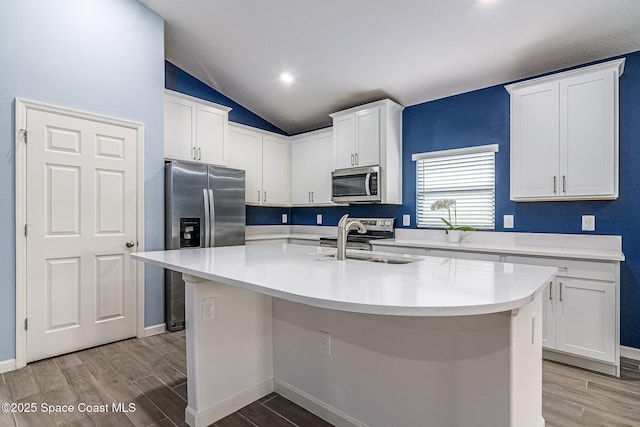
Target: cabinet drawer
(480, 256)
(570, 268)
(400, 249)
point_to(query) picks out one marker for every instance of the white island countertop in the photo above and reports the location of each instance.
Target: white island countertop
(431, 286)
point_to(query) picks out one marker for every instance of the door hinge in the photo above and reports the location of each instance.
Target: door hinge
(26, 323)
(26, 230)
(24, 132)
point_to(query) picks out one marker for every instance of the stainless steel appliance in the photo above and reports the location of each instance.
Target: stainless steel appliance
(357, 185)
(377, 228)
(204, 207)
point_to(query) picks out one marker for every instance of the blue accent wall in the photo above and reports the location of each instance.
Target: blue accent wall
(102, 56)
(179, 80)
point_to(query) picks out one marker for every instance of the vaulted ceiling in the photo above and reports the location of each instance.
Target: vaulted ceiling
(347, 52)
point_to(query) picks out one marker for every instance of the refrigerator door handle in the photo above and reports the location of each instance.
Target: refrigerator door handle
(207, 218)
(212, 221)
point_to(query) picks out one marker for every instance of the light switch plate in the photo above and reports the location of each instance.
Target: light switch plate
(406, 220)
(588, 223)
(507, 221)
(284, 218)
(319, 219)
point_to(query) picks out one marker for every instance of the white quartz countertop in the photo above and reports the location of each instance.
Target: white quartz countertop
(432, 286)
(510, 248)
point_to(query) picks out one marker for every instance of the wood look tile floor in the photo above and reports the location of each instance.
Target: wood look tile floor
(151, 373)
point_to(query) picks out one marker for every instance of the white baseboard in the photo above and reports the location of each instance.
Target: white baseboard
(7, 365)
(316, 406)
(155, 330)
(229, 406)
(630, 352)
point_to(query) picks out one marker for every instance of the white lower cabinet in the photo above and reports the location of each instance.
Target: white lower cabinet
(580, 314)
(580, 323)
(585, 318)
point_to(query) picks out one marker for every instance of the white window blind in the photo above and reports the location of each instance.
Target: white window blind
(466, 176)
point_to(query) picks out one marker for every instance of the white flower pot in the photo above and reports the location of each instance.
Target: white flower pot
(454, 236)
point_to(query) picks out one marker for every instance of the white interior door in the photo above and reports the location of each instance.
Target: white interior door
(81, 212)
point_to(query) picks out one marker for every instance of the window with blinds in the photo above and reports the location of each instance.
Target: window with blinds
(465, 175)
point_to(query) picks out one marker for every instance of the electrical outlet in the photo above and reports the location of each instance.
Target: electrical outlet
(324, 343)
(319, 219)
(208, 310)
(588, 223)
(284, 218)
(406, 220)
(507, 221)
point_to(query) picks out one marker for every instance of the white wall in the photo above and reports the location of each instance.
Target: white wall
(102, 56)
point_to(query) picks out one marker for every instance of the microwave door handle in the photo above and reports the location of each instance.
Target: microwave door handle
(366, 184)
(212, 213)
(207, 218)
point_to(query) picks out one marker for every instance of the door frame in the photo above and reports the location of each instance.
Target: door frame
(22, 106)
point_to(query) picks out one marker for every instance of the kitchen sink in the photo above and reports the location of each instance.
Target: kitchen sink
(376, 257)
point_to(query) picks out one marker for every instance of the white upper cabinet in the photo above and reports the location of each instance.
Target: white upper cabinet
(564, 135)
(276, 173)
(371, 135)
(245, 152)
(311, 166)
(194, 130)
(357, 138)
(265, 157)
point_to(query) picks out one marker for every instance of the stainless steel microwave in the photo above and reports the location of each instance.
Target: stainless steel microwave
(356, 185)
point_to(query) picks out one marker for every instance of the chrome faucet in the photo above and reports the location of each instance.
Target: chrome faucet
(343, 229)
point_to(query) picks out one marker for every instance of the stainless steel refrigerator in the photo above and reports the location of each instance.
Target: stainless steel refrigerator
(204, 207)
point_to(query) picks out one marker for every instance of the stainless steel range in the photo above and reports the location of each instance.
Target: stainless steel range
(377, 228)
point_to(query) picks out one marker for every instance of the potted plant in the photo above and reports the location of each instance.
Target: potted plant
(452, 229)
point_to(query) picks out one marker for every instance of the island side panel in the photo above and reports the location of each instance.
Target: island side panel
(392, 370)
(526, 365)
(230, 357)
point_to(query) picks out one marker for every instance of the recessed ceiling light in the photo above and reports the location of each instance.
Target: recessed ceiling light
(286, 77)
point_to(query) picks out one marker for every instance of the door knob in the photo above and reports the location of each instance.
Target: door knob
(130, 244)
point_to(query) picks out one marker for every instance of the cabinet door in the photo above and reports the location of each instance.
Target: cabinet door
(245, 152)
(323, 166)
(368, 137)
(585, 318)
(549, 297)
(276, 166)
(535, 142)
(211, 135)
(344, 141)
(179, 128)
(302, 170)
(589, 154)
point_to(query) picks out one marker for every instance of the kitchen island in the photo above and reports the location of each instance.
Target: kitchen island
(392, 340)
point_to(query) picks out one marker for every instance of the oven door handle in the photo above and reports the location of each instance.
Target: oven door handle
(367, 189)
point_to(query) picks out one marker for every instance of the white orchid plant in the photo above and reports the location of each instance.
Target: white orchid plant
(448, 204)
